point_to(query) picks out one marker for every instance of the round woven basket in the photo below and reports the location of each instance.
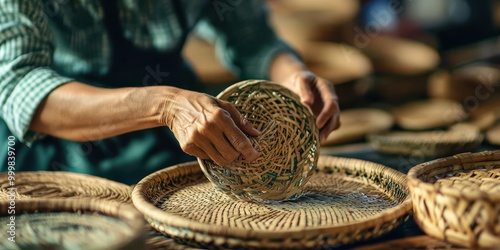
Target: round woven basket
(71, 224)
(358, 123)
(459, 138)
(345, 201)
(53, 184)
(288, 144)
(429, 114)
(457, 199)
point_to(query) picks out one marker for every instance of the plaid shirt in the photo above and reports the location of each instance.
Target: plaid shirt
(44, 43)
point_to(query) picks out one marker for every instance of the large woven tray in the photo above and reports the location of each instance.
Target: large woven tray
(457, 199)
(345, 201)
(53, 184)
(71, 224)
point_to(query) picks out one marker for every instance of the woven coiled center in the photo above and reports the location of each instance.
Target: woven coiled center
(288, 144)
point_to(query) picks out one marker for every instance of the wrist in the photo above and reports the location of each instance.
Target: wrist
(283, 66)
(162, 104)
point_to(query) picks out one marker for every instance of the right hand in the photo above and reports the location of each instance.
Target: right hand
(209, 128)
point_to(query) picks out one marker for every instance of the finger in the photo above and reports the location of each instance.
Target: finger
(222, 144)
(238, 119)
(235, 136)
(210, 150)
(305, 83)
(330, 104)
(333, 123)
(197, 152)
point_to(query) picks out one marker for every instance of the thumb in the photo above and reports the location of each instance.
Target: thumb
(238, 119)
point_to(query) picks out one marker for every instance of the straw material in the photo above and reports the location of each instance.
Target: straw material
(457, 199)
(52, 184)
(72, 224)
(429, 114)
(288, 144)
(459, 138)
(345, 201)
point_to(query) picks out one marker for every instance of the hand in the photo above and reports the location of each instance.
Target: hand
(319, 94)
(209, 128)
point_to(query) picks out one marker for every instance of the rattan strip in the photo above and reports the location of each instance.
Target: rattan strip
(289, 144)
(150, 193)
(449, 202)
(76, 224)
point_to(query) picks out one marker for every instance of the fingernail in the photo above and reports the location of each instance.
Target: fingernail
(254, 156)
(256, 130)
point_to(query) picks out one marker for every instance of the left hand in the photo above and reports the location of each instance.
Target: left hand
(319, 94)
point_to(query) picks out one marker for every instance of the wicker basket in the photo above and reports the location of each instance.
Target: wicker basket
(358, 123)
(429, 114)
(457, 199)
(345, 201)
(459, 138)
(52, 184)
(71, 224)
(288, 144)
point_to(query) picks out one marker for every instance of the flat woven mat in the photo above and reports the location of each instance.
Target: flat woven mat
(345, 201)
(52, 184)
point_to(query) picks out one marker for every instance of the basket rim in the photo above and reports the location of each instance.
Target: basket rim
(415, 172)
(151, 211)
(53, 177)
(123, 211)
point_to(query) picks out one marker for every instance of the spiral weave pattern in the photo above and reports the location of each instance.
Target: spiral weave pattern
(288, 144)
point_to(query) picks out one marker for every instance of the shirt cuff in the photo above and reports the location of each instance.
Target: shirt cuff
(24, 100)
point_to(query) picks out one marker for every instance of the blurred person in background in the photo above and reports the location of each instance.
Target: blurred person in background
(100, 87)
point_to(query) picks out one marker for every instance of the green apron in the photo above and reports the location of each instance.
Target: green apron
(126, 158)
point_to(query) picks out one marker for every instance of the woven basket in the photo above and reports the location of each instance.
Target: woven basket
(459, 138)
(345, 201)
(429, 114)
(71, 224)
(288, 144)
(457, 199)
(358, 123)
(52, 184)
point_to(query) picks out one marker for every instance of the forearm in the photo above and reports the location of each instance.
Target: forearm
(283, 66)
(80, 112)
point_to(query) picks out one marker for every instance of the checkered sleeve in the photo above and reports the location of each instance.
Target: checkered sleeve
(244, 40)
(26, 77)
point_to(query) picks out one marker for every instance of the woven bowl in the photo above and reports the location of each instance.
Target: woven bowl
(71, 224)
(345, 201)
(288, 144)
(457, 199)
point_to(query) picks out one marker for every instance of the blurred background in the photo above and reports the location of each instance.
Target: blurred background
(397, 65)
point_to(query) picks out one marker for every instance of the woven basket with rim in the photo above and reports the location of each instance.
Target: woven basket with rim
(457, 199)
(71, 224)
(345, 201)
(52, 184)
(459, 138)
(288, 144)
